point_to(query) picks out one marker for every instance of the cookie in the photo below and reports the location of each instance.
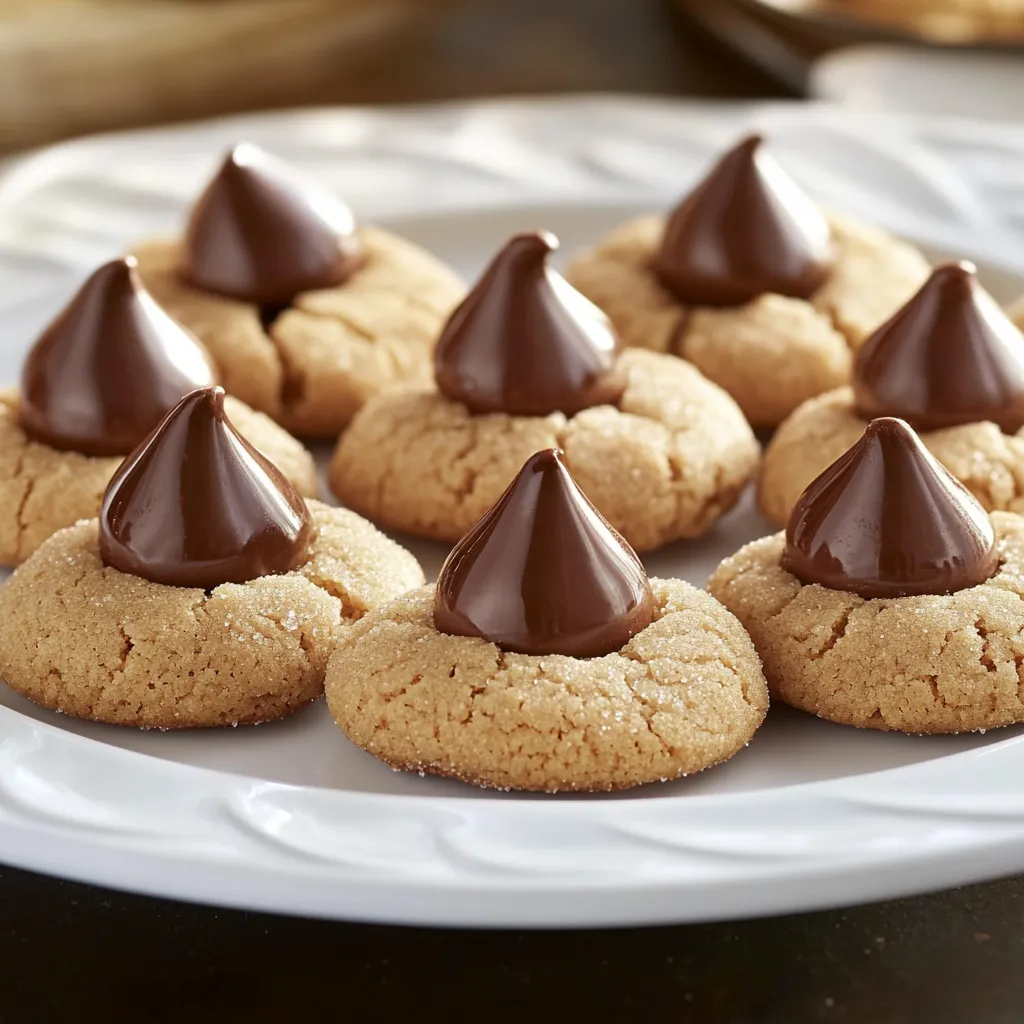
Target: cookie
(605, 680)
(685, 694)
(42, 489)
(96, 643)
(207, 593)
(308, 357)
(943, 661)
(951, 364)
(662, 454)
(984, 459)
(770, 349)
(98, 379)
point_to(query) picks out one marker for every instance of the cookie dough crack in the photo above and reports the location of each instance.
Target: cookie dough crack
(462, 490)
(293, 382)
(349, 611)
(648, 709)
(983, 633)
(838, 631)
(127, 646)
(30, 483)
(829, 313)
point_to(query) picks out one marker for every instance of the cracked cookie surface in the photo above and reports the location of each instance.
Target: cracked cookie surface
(42, 490)
(320, 359)
(96, 643)
(989, 463)
(932, 664)
(666, 462)
(684, 694)
(770, 354)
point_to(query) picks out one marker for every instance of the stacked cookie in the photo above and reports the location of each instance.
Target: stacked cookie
(177, 570)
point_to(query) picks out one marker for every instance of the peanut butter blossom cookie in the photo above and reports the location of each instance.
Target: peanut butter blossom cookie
(96, 382)
(207, 593)
(527, 363)
(545, 659)
(951, 364)
(893, 600)
(304, 313)
(747, 279)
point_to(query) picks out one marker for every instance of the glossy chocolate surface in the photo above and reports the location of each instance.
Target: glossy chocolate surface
(196, 505)
(886, 520)
(108, 368)
(262, 233)
(542, 572)
(949, 356)
(525, 342)
(747, 229)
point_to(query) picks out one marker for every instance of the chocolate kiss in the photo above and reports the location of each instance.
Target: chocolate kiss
(543, 572)
(195, 505)
(108, 368)
(262, 233)
(745, 230)
(525, 342)
(886, 520)
(949, 356)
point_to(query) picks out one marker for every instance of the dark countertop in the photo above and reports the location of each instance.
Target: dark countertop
(944, 959)
(74, 953)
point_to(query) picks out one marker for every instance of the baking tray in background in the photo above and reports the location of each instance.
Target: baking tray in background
(786, 37)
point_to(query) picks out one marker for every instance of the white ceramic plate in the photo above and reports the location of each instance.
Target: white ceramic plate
(293, 818)
(919, 80)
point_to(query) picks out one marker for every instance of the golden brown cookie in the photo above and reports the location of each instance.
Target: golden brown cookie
(96, 643)
(989, 463)
(319, 360)
(42, 490)
(770, 354)
(684, 694)
(916, 664)
(665, 463)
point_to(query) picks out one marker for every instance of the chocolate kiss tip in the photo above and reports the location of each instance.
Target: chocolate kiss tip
(108, 367)
(885, 520)
(950, 356)
(195, 505)
(536, 244)
(261, 233)
(543, 572)
(525, 342)
(746, 230)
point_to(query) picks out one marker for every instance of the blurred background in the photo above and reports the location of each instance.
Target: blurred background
(73, 66)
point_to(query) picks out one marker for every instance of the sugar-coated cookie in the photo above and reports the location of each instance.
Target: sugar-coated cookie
(951, 364)
(43, 489)
(659, 449)
(207, 593)
(544, 659)
(664, 463)
(305, 341)
(683, 695)
(97, 380)
(893, 601)
(989, 463)
(96, 643)
(915, 664)
(771, 330)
